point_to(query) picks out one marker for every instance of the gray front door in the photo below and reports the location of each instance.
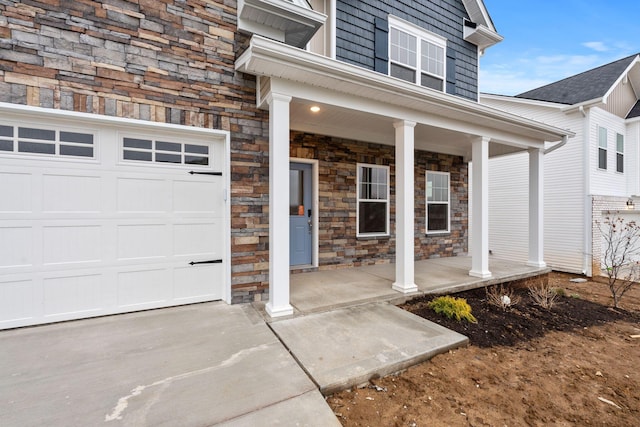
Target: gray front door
(300, 214)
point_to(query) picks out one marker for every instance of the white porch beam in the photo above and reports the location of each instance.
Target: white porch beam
(405, 207)
(480, 209)
(536, 208)
(278, 304)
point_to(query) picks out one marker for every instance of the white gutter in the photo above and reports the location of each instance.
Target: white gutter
(554, 147)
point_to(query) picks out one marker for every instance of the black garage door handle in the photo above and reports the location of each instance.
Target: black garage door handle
(211, 261)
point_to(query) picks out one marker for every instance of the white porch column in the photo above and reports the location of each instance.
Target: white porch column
(536, 208)
(480, 194)
(405, 207)
(278, 304)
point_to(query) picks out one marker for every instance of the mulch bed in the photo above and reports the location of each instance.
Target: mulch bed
(521, 322)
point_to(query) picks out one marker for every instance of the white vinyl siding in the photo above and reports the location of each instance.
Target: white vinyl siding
(564, 204)
(373, 200)
(606, 182)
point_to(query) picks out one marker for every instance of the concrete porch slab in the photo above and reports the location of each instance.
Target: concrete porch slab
(349, 346)
(195, 365)
(326, 290)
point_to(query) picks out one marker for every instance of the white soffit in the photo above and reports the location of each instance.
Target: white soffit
(293, 22)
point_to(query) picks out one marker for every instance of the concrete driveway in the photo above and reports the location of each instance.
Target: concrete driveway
(204, 364)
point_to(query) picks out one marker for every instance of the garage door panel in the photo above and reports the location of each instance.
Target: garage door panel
(73, 294)
(143, 195)
(191, 196)
(86, 236)
(70, 244)
(144, 288)
(197, 283)
(16, 249)
(15, 192)
(198, 239)
(17, 299)
(71, 193)
(143, 241)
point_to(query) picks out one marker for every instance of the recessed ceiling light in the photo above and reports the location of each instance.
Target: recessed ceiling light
(314, 109)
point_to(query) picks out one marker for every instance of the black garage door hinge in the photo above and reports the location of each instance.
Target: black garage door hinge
(205, 173)
(211, 261)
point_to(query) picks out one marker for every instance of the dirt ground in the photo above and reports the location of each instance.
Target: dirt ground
(574, 365)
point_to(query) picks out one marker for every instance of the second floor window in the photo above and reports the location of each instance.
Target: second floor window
(619, 153)
(602, 148)
(416, 55)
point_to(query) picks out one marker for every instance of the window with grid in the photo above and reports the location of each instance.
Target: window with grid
(619, 153)
(159, 151)
(438, 202)
(46, 141)
(373, 200)
(602, 147)
(416, 55)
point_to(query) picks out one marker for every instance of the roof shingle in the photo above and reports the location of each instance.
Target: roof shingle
(582, 87)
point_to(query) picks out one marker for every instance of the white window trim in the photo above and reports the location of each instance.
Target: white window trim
(358, 200)
(619, 135)
(601, 147)
(427, 203)
(421, 34)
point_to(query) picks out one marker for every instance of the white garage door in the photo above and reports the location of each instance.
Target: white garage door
(106, 218)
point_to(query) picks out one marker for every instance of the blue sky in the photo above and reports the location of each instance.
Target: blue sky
(548, 40)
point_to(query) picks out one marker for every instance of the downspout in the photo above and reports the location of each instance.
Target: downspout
(554, 147)
(588, 214)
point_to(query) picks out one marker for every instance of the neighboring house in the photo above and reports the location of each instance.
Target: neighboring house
(155, 153)
(597, 171)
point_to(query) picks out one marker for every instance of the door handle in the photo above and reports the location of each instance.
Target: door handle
(310, 226)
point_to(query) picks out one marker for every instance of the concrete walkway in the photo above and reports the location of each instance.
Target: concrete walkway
(204, 364)
(349, 346)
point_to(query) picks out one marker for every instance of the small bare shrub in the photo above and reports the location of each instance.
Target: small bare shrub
(543, 295)
(501, 296)
(621, 255)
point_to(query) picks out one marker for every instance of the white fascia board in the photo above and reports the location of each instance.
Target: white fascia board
(272, 59)
(478, 13)
(620, 78)
(516, 100)
(99, 119)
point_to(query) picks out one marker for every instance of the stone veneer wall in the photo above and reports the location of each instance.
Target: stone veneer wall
(157, 60)
(338, 245)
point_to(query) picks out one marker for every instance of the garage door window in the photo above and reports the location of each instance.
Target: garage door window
(16, 139)
(156, 151)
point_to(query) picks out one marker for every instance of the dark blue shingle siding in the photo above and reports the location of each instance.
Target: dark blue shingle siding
(356, 36)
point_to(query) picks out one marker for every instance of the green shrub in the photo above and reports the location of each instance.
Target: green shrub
(453, 308)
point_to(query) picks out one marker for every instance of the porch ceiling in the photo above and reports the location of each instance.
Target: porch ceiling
(357, 125)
